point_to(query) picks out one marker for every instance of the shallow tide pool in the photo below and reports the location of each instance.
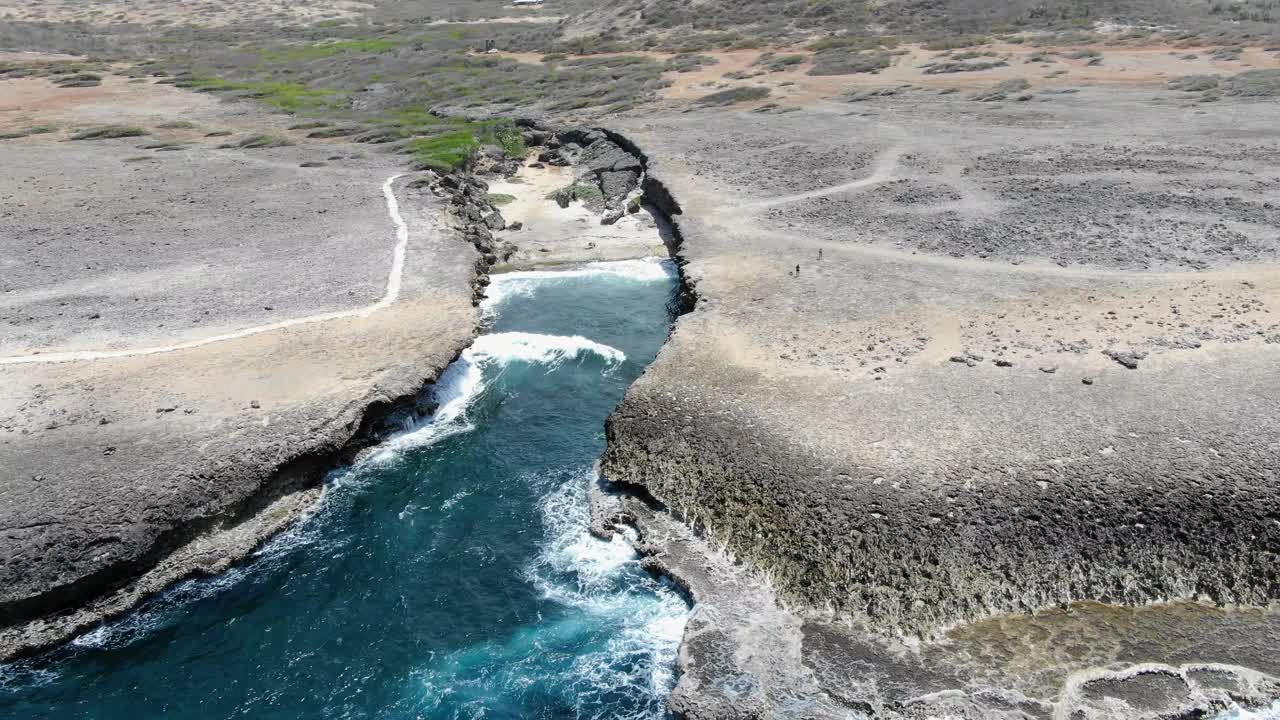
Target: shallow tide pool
(448, 574)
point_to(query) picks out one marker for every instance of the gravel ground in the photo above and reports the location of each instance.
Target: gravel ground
(121, 475)
(956, 418)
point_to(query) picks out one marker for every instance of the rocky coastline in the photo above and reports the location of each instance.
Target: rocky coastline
(607, 181)
(830, 582)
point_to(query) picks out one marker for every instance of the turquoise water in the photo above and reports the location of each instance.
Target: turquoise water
(448, 574)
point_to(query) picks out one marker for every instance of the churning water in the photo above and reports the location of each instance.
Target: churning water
(449, 574)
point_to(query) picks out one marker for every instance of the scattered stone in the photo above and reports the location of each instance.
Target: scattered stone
(967, 358)
(612, 215)
(254, 404)
(1087, 380)
(495, 221)
(1049, 369)
(1127, 358)
(1001, 362)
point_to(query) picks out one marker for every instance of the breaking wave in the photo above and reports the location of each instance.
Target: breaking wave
(465, 379)
(534, 348)
(605, 578)
(1271, 712)
(504, 286)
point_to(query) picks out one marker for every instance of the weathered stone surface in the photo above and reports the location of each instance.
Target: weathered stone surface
(120, 475)
(807, 415)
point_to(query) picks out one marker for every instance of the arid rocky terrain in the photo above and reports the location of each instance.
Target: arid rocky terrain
(952, 360)
(973, 411)
(170, 319)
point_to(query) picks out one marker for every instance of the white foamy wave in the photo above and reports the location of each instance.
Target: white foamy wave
(23, 675)
(461, 382)
(464, 380)
(1271, 712)
(504, 286)
(167, 607)
(534, 348)
(604, 579)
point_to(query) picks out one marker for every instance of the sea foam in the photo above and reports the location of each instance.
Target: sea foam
(504, 286)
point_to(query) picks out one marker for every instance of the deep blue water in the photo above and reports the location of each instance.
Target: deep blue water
(449, 574)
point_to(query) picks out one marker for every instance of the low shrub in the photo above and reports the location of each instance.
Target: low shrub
(1253, 83)
(955, 42)
(839, 62)
(734, 95)
(333, 132)
(1002, 90)
(109, 132)
(1195, 83)
(263, 140)
(954, 67)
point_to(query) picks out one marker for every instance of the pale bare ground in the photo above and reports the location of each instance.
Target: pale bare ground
(212, 13)
(243, 392)
(1148, 66)
(552, 235)
(32, 101)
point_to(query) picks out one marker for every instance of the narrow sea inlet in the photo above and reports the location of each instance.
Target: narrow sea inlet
(448, 574)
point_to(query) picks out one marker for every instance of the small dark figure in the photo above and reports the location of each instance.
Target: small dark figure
(819, 253)
(797, 271)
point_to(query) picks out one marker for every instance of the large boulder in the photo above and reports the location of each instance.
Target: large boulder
(495, 221)
(584, 137)
(605, 156)
(617, 184)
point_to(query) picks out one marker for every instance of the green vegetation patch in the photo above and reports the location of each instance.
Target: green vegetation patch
(452, 148)
(288, 96)
(318, 51)
(500, 199)
(108, 132)
(446, 151)
(177, 125)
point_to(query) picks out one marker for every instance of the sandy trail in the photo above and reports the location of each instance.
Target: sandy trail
(392, 293)
(883, 171)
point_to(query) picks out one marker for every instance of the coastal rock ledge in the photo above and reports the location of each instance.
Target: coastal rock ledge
(869, 527)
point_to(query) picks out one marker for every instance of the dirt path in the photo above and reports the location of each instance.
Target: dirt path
(392, 292)
(883, 171)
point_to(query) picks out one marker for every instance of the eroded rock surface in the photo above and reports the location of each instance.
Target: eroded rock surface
(1106, 436)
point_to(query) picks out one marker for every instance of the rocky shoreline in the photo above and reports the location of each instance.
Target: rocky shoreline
(878, 597)
(286, 486)
(212, 543)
